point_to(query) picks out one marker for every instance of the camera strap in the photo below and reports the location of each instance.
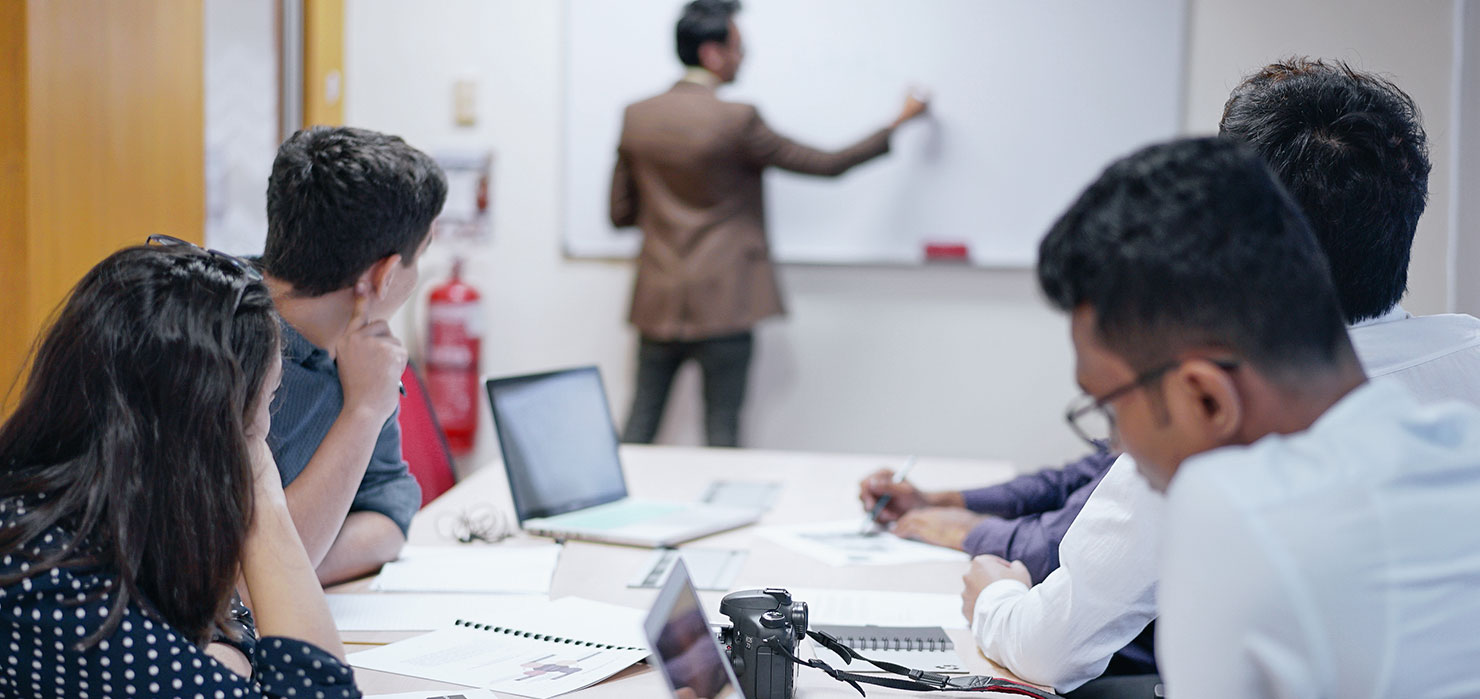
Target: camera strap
(910, 679)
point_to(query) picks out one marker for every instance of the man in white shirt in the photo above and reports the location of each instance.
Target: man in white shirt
(1319, 531)
(1349, 147)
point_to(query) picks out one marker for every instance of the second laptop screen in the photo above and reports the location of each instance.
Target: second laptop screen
(558, 441)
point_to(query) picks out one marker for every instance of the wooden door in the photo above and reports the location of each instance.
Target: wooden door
(101, 145)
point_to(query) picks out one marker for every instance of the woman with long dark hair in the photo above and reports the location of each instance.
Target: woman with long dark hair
(137, 489)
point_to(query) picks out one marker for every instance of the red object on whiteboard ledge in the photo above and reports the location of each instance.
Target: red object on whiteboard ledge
(454, 343)
(947, 252)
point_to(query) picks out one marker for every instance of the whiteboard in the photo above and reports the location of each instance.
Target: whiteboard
(1031, 100)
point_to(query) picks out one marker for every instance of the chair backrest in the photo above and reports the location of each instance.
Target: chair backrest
(423, 445)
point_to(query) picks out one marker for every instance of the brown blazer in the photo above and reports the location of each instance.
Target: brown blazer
(688, 175)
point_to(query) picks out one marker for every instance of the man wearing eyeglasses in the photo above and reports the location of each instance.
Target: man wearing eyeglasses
(1350, 148)
(1318, 534)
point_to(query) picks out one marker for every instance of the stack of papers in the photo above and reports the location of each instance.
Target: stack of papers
(499, 568)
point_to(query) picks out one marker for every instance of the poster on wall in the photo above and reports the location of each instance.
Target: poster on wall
(465, 218)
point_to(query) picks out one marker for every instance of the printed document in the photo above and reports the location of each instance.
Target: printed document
(539, 650)
(840, 543)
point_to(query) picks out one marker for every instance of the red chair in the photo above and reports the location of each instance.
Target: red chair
(423, 445)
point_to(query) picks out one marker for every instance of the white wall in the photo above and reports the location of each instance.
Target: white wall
(1466, 210)
(241, 122)
(946, 361)
(1410, 42)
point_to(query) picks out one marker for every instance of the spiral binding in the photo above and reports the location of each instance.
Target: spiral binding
(876, 644)
(538, 637)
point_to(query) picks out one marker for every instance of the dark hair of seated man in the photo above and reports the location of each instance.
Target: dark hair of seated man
(1350, 147)
(341, 199)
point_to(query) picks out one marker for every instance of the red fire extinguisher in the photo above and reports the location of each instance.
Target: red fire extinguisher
(454, 340)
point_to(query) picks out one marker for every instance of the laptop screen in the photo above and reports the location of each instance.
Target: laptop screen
(558, 442)
(689, 656)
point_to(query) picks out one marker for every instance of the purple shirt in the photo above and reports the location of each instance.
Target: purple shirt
(1032, 513)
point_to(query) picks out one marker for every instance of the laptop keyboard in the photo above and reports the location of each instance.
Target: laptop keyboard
(616, 515)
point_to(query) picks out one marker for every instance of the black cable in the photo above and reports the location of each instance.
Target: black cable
(918, 680)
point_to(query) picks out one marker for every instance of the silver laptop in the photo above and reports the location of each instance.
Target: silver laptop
(560, 451)
(688, 655)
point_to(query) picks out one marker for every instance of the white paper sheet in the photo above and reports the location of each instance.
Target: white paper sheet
(840, 543)
(439, 694)
(503, 663)
(399, 611)
(570, 644)
(744, 494)
(498, 568)
(709, 569)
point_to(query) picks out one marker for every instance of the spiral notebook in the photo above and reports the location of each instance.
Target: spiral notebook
(916, 647)
(540, 650)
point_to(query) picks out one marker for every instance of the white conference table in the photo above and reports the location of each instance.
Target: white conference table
(816, 487)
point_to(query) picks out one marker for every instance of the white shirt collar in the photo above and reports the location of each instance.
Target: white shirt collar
(700, 76)
(1394, 313)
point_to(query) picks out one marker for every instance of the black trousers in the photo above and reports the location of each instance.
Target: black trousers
(725, 363)
(1121, 687)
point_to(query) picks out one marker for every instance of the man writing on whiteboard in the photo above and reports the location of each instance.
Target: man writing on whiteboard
(688, 175)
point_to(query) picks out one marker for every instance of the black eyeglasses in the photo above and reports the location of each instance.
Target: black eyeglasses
(250, 273)
(1093, 419)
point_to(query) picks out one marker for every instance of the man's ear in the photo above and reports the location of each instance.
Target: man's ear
(1208, 399)
(712, 57)
(378, 278)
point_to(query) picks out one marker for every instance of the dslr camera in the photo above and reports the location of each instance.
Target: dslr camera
(761, 641)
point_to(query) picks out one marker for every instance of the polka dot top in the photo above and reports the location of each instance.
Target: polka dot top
(42, 618)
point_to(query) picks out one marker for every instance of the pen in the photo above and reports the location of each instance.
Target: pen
(883, 501)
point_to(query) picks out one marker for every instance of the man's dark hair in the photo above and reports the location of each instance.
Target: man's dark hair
(341, 199)
(1350, 147)
(703, 21)
(1194, 244)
